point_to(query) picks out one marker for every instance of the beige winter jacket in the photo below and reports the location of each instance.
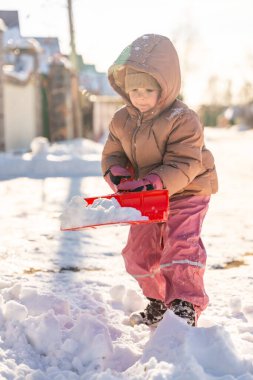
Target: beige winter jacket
(167, 140)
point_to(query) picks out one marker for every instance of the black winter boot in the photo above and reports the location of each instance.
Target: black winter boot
(184, 310)
(152, 314)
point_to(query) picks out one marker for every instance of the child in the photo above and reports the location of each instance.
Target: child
(156, 142)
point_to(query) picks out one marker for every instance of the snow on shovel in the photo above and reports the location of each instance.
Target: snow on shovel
(121, 208)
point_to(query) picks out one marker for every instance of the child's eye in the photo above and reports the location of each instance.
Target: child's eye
(149, 90)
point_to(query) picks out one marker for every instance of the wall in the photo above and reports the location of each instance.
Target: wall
(104, 108)
(20, 112)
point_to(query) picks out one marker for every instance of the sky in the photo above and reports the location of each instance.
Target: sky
(213, 38)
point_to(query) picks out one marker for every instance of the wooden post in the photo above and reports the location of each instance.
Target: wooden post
(76, 106)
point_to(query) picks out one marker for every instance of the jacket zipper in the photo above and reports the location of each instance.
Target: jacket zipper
(139, 120)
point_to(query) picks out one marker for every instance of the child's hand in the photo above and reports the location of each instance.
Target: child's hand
(138, 185)
(115, 175)
(151, 182)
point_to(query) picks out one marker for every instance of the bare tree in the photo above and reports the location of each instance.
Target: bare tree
(186, 40)
(246, 92)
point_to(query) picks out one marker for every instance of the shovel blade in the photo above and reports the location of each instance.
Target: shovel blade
(153, 203)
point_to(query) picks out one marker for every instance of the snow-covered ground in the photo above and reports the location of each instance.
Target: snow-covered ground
(65, 296)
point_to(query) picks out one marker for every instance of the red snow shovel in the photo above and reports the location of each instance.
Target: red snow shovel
(153, 203)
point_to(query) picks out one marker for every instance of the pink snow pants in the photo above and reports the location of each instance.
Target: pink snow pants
(168, 259)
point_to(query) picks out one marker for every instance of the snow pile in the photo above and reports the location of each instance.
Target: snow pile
(79, 157)
(180, 352)
(40, 146)
(77, 148)
(49, 339)
(79, 213)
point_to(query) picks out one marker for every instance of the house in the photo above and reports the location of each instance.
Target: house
(50, 48)
(20, 86)
(99, 101)
(95, 82)
(21, 92)
(45, 88)
(241, 114)
(11, 21)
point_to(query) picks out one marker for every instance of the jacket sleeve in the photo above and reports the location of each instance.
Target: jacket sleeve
(182, 160)
(113, 152)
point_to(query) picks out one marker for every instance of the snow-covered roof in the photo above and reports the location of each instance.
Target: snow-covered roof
(11, 22)
(50, 48)
(10, 18)
(2, 25)
(96, 83)
(29, 44)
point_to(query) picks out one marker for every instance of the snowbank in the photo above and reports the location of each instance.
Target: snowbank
(51, 340)
(74, 158)
(65, 297)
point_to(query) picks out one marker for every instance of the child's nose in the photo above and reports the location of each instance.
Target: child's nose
(140, 94)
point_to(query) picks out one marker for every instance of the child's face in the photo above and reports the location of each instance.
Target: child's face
(144, 99)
